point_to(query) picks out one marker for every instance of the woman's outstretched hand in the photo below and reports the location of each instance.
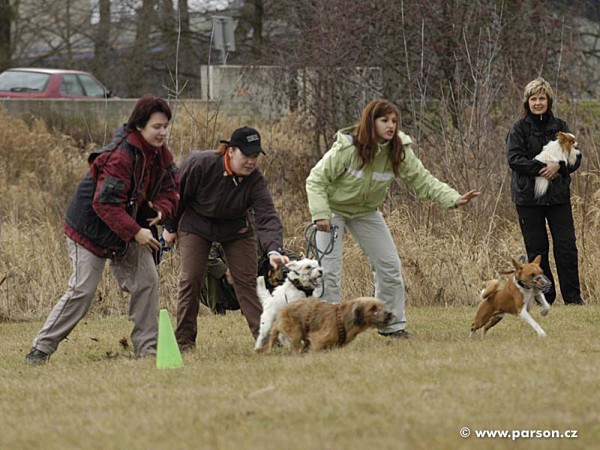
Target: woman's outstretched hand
(466, 198)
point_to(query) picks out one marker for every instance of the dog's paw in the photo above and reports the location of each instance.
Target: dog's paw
(260, 343)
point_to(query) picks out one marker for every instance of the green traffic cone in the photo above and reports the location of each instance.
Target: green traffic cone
(168, 355)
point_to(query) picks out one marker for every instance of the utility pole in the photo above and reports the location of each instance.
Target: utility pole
(223, 40)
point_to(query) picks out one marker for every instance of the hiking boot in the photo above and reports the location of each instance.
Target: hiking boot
(400, 334)
(37, 357)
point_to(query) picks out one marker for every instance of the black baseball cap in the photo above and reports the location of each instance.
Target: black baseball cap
(247, 140)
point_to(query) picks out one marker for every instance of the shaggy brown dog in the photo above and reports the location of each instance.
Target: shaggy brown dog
(312, 324)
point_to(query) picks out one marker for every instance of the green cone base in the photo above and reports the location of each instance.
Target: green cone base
(168, 355)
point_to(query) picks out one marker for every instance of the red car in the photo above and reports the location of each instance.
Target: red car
(50, 83)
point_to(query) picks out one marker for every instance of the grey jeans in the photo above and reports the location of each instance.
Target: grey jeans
(373, 236)
(135, 273)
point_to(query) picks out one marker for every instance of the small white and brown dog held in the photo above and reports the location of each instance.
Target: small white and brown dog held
(302, 277)
(313, 325)
(527, 284)
(564, 149)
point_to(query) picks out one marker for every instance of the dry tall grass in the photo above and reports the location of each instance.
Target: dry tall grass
(447, 255)
(374, 393)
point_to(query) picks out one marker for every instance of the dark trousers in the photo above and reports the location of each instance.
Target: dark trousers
(241, 257)
(532, 220)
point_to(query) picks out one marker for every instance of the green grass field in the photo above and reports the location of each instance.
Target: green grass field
(375, 393)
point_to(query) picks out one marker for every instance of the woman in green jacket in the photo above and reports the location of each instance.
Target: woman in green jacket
(346, 189)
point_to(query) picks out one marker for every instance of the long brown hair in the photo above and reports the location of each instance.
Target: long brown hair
(366, 138)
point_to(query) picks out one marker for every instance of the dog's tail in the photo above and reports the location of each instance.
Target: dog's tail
(492, 287)
(261, 290)
(541, 186)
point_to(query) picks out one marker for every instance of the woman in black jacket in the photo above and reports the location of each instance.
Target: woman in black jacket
(527, 137)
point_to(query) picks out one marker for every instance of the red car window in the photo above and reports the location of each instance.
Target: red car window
(70, 85)
(18, 81)
(91, 86)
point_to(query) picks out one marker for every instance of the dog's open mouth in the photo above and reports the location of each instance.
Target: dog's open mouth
(387, 318)
(383, 320)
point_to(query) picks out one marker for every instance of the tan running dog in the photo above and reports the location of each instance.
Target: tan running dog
(312, 324)
(527, 284)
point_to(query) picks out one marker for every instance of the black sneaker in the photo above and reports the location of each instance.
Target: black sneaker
(37, 357)
(574, 302)
(400, 334)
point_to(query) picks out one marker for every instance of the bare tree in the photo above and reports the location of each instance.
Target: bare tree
(188, 59)
(102, 44)
(6, 18)
(140, 59)
(250, 23)
(45, 29)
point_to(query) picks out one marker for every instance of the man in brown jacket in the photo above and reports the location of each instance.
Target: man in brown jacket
(219, 191)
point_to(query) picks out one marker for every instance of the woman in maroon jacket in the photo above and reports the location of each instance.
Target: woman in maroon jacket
(132, 186)
(219, 193)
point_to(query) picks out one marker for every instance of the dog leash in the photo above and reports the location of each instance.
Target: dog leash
(310, 235)
(312, 249)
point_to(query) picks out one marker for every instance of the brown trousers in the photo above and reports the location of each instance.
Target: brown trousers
(241, 258)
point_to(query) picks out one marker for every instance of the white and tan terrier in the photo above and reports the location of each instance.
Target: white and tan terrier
(564, 148)
(302, 277)
(516, 296)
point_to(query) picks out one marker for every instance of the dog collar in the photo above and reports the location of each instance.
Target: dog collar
(522, 284)
(307, 290)
(340, 327)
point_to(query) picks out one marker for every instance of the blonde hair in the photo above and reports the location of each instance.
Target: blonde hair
(536, 87)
